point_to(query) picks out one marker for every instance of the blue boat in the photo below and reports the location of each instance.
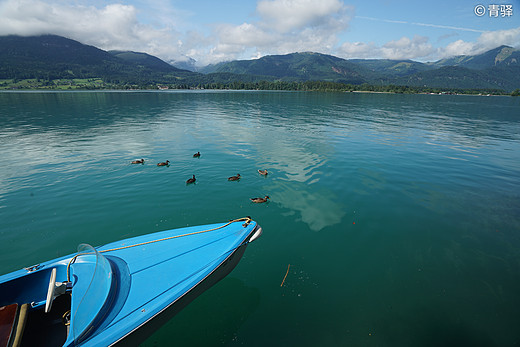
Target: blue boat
(119, 293)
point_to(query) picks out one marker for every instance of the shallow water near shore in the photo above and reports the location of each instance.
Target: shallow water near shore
(395, 217)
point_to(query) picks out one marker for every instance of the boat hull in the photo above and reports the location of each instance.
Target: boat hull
(122, 292)
(141, 333)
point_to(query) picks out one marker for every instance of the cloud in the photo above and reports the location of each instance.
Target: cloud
(285, 26)
(233, 41)
(113, 26)
(419, 47)
(404, 48)
(282, 26)
(245, 34)
(359, 50)
(32, 17)
(486, 41)
(288, 15)
(458, 47)
(510, 37)
(276, 27)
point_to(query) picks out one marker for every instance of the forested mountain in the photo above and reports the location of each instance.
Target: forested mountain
(458, 77)
(499, 57)
(392, 68)
(144, 60)
(306, 66)
(51, 57)
(54, 57)
(496, 69)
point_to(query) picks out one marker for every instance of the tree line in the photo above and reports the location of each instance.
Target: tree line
(211, 83)
(325, 86)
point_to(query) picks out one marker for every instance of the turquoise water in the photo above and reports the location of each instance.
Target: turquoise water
(398, 216)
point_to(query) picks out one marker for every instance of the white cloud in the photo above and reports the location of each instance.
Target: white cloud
(492, 39)
(360, 50)
(31, 17)
(245, 35)
(486, 41)
(279, 27)
(287, 15)
(406, 48)
(113, 26)
(419, 47)
(232, 42)
(458, 47)
(285, 26)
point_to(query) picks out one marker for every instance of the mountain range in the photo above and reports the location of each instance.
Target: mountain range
(53, 57)
(498, 68)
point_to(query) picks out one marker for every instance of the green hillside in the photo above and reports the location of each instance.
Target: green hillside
(495, 69)
(500, 56)
(392, 68)
(297, 67)
(143, 60)
(50, 57)
(455, 77)
(52, 61)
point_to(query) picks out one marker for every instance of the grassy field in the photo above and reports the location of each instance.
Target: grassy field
(59, 84)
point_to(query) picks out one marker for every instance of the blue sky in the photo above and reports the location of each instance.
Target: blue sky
(212, 31)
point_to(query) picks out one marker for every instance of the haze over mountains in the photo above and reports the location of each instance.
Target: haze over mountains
(53, 57)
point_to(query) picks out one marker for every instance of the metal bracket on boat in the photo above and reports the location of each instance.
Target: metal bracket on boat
(33, 268)
(37, 303)
(55, 289)
(61, 288)
(258, 232)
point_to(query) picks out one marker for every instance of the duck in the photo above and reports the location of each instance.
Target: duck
(138, 161)
(234, 178)
(196, 155)
(259, 200)
(166, 163)
(191, 180)
(262, 172)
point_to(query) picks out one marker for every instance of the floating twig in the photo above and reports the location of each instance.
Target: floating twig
(281, 285)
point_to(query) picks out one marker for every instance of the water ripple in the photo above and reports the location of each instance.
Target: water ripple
(394, 188)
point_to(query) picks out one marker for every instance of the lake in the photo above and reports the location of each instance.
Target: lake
(396, 218)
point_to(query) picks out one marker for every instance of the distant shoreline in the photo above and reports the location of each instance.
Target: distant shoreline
(229, 90)
(97, 84)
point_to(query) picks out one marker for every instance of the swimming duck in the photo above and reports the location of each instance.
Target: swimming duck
(259, 200)
(191, 180)
(196, 155)
(138, 161)
(166, 163)
(234, 178)
(262, 172)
